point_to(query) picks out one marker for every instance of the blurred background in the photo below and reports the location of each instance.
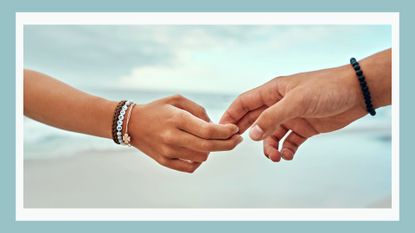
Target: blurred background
(211, 65)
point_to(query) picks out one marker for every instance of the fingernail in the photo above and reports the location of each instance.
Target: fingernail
(287, 154)
(256, 133)
(234, 127)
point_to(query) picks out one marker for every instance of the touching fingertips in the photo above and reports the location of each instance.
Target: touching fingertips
(233, 129)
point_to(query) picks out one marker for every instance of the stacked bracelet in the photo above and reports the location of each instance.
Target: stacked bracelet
(118, 121)
(363, 86)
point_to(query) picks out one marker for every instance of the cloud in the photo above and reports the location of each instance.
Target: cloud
(206, 58)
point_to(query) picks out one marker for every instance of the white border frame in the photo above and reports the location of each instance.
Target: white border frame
(179, 18)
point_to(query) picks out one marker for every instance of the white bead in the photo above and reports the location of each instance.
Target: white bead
(122, 112)
(119, 127)
(124, 107)
(121, 117)
(128, 102)
(119, 122)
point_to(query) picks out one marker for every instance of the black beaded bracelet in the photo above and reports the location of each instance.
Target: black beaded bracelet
(363, 86)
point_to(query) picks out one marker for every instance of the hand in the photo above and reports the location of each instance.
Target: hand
(305, 104)
(178, 134)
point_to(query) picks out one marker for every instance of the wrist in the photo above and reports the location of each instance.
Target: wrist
(104, 110)
(350, 81)
(377, 70)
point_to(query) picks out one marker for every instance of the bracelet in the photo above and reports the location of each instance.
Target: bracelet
(363, 86)
(126, 137)
(115, 119)
(120, 122)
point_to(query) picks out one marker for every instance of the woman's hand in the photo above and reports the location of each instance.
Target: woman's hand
(178, 134)
(305, 104)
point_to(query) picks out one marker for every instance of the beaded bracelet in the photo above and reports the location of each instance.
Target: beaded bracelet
(363, 86)
(115, 119)
(120, 122)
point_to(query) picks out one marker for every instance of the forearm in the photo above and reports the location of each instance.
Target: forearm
(52, 102)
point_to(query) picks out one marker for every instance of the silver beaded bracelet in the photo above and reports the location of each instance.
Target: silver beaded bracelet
(120, 121)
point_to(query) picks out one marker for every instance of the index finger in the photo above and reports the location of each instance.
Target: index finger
(206, 130)
(190, 106)
(248, 101)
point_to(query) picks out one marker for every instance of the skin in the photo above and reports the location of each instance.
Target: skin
(174, 131)
(302, 105)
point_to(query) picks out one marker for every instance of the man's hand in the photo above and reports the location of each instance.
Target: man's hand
(178, 134)
(305, 104)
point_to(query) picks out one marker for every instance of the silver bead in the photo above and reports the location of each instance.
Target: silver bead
(119, 133)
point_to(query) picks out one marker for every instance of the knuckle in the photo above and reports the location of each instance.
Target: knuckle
(168, 136)
(166, 151)
(189, 170)
(179, 117)
(266, 117)
(205, 146)
(208, 130)
(193, 167)
(279, 84)
(243, 94)
(162, 161)
(202, 110)
(203, 113)
(176, 97)
(242, 99)
(201, 157)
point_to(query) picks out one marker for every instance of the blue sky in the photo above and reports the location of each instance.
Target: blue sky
(214, 59)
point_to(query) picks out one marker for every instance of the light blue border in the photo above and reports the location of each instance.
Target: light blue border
(7, 158)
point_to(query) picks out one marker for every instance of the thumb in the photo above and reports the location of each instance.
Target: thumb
(285, 109)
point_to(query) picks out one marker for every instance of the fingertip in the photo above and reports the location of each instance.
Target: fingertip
(234, 128)
(256, 133)
(240, 139)
(272, 154)
(287, 154)
(275, 156)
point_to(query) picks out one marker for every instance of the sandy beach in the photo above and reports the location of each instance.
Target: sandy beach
(321, 176)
